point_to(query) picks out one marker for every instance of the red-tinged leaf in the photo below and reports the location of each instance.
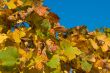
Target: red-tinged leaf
(41, 10)
(52, 31)
(54, 48)
(53, 18)
(99, 64)
(39, 60)
(60, 29)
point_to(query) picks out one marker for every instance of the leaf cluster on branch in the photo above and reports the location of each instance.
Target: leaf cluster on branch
(33, 41)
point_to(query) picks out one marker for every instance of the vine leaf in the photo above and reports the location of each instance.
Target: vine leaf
(11, 4)
(17, 35)
(46, 24)
(41, 10)
(54, 62)
(94, 44)
(105, 41)
(86, 66)
(39, 61)
(8, 56)
(53, 18)
(3, 37)
(69, 50)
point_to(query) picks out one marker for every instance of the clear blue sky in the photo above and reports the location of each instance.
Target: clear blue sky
(92, 13)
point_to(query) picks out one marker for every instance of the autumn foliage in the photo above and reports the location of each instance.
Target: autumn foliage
(33, 41)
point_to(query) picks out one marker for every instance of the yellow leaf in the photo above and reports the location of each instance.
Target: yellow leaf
(1, 27)
(28, 3)
(22, 34)
(99, 64)
(94, 44)
(106, 45)
(39, 60)
(65, 71)
(22, 52)
(63, 58)
(23, 55)
(16, 36)
(104, 48)
(0, 71)
(19, 3)
(21, 72)
(0, 13)
(106, 41)
(92, 59)
(81, 37)
(19, 21)
(3, 37)
(49, 42)
(39, 65)
(101, 37)
(108, 60)
(11, 5)
(99, 67)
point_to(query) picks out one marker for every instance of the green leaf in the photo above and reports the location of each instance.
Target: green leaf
(27, 2)
(40, 34)
(46, 24)
(76, 51)
(9, 56)
(69, 50)
(64, 44)
(54, 62)
(86, 66)
(35, 19)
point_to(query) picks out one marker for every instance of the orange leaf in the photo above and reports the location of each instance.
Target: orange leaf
(53, 18)
(39, 60)
(60, 29)
(41, 10)
(39, 65)
(52, 31)
(99, 64)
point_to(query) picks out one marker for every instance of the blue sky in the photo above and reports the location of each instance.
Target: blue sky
(92, 13)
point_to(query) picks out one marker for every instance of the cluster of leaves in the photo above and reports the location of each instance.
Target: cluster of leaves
(94, 48)
(32, 41)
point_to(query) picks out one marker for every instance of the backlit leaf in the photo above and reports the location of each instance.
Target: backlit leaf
(45, 24)
(106, 45)
(86, 66)
(54, 62)
(3, 37)
(94, 44)
(53, 18)
(39, 60)
(11, 4)
(41, 10)
(16, 36)
(99, 63)
(69, 50)
(9, 56)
